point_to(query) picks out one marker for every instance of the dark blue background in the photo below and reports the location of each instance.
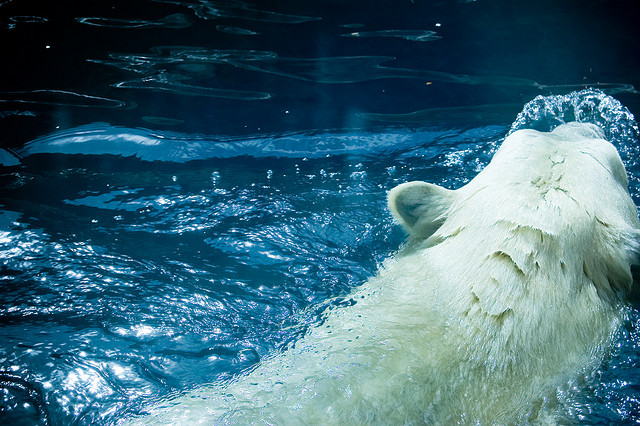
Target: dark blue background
(554, 43)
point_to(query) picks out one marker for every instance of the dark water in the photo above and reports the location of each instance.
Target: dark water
(185, 184)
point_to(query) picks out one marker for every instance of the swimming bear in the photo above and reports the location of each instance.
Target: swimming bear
(507, 289)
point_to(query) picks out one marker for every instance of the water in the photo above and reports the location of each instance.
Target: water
(184, 188)
(126, 280)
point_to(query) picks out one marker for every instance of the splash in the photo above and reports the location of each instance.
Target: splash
(586, 106)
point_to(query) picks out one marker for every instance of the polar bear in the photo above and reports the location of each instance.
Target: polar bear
(508, 289)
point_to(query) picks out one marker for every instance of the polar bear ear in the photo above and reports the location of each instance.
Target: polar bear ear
(420, 207)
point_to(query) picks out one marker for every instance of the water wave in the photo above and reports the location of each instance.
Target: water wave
(236, 30)
(452, 116)
(237, 9)
(60, 98)
(124, 286)
(174, 21)
(172, 64)
(148, 145)
(543, 113)
(169, 83)
(15, 21)
(128, 281)
(411, 35)
(167, 68)
(163, 121)
(351, 69)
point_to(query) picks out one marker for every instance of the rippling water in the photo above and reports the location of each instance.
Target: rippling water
(126, 280)
(129, 278)
(186, 184)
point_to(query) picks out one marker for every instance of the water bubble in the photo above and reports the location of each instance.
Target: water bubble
(215, 178)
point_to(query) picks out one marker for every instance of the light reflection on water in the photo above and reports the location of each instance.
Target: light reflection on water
(157, 277)
(125, 280)
(137, 263)
(156, 286)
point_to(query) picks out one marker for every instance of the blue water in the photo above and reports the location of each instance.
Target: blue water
(129, 278)
(186, 185)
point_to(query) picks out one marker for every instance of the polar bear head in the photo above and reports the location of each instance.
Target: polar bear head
(568, 184)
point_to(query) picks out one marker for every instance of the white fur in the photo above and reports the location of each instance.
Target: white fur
(508, 288)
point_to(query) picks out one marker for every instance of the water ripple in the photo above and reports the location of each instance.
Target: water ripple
(411, 35)
(167, 68)
(453, 116)
(175, 21)
(238, 10)
(236, 30)
(163, 84)
(149, 145)
(60, 98)
(126, 281)
(18, 20)
(351, 69)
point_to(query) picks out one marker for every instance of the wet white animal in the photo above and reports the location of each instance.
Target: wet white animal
(508, 288)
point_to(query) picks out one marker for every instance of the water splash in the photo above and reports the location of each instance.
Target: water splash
(544, 113)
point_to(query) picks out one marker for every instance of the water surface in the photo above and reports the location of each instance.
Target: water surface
(186, 185)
